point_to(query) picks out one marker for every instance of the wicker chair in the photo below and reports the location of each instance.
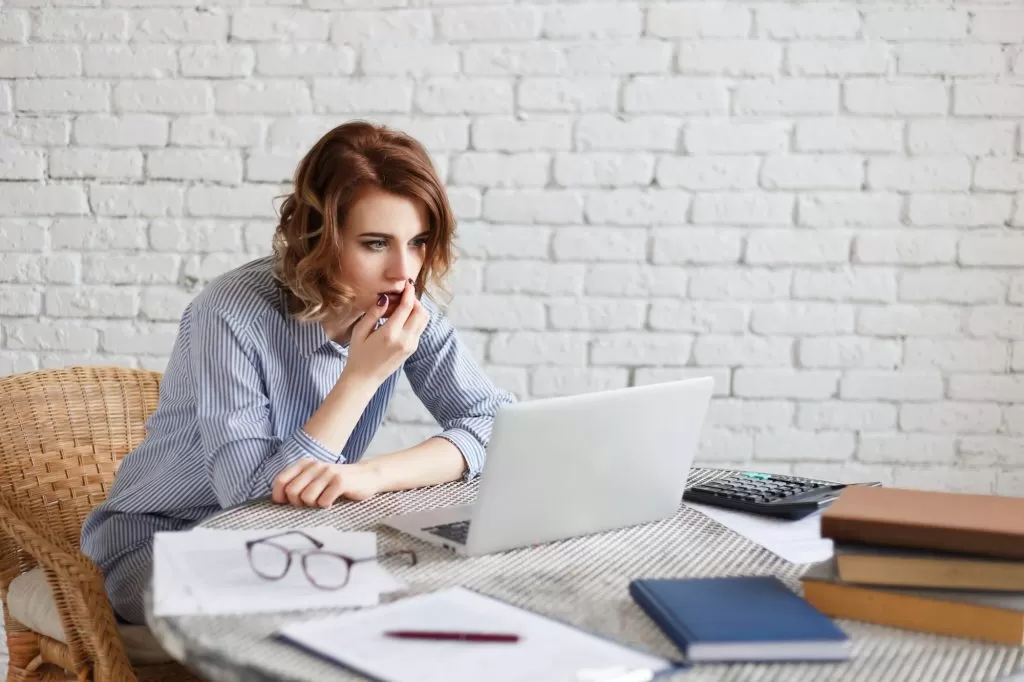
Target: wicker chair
(62, 434)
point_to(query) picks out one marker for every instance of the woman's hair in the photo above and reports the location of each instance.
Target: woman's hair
(344, 162)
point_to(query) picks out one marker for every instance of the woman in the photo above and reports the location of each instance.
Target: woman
(283, 368)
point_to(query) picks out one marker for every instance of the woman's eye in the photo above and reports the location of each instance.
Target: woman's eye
(375, 245)
(419, 243)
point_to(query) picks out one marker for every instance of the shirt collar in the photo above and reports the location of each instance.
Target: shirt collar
(309, 337)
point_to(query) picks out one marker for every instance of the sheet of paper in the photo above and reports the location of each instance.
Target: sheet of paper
(207, 571)
(797, 542)
(547, 649)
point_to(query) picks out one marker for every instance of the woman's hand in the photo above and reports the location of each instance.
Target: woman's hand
(312, 483)
(376, 354)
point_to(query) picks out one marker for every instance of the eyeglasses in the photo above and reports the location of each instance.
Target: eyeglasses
(325, 570)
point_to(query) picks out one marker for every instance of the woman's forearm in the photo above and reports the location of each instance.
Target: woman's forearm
(433, 461)
(333, 422)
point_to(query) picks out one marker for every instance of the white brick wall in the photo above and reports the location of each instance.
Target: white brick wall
(820, 205)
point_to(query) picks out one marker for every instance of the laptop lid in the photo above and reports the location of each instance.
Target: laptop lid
(562, 467)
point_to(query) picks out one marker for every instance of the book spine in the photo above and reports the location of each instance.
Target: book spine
(673, 629)
(891, 534)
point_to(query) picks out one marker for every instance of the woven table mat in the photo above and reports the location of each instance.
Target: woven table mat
(583, 581)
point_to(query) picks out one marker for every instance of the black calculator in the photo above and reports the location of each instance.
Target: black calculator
(788, 497)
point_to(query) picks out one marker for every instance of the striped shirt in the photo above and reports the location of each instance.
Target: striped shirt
(243, 378)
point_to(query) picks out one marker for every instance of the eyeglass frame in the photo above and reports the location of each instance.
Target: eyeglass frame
(317, 550)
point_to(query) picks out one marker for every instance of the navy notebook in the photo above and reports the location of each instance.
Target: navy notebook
(739, 619)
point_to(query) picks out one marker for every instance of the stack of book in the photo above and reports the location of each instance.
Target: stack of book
(946, 563)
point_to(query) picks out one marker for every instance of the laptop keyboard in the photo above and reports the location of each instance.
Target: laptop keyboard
(456, 531)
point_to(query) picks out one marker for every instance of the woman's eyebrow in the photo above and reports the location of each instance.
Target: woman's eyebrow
(382, 235)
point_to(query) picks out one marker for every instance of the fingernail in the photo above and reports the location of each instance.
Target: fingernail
(382, 300)
(410, 281)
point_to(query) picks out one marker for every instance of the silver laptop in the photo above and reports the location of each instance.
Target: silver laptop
(561, 467)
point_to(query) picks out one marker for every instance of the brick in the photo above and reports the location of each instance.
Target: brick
(466, 277)
(860, 384)
(80, 26)
(731, 58)
(837, 59)
(969, 138)
(435, 133)
(128, 130)
(849, 209)
(244, 201)
(567, 95)
(395, 26)
(218, 131)
(538, 348)
(633, 349)
(195, 235)
(781, 20)
(743, 351)
(272, 96)
(817, 171)
(164, 96)
(154, 200)
(508, 134)
(52, 335)
(708, 172)
(1010, 483)
(909, 98)
(589, 21)
(991, 451)
(447, 96)
(842, 416)
(19, 300)
(98, 234)
(801, 319)
(164, 303)
(914, 24)
(489, 23)
(279, 24)
(996, 321)
(949, 417)
(600, 244)
(703, 245)
(987, 99)
(784, 383)
(750, 414)
(608, 279)
(786, 96)
(534, 206)
(739, 284)
(950, 60)
(206, 267)
(189, 164)
(935, 173)
(43, 131)
(800, 445)
(131, 61)
(22, 164)
(22, 200)
(637, 207)
(534, 277)
(987, 387)
(1014, 418)
(500, 312)
(614, 314)
(918, 248)
(728, 137)
(483, 240)
(958, 210)
(999, 174)
(945, 479)
(903, 448)
(410, 60)
(718, 445)
(604, 132)
(839, 134)
(644, 376)
(178, 26)
(60, 95)
(948, 285)
(788, 247)
(14, 25)
(107, 164)
(39, 61)
(957, 355)
(603, 169)
(500, 170)
(120, 268)
(743, 208)
(218, 61)
(92, 301)
(853, 284)
(23, 235)
(701, 317)
(996, 248)
(559, 381)
(257, 235)
(36, 269)
(997, 25)
(844, 352)
(1016, 290)
(698, 20)
(671, 95)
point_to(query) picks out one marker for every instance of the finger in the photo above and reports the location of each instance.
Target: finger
(285, 477)
(417, 321)
(368, 322)
(405, 306)
(294, 489)
(313, 489)
(332, 492)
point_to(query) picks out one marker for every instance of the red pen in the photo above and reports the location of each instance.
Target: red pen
(456, 636)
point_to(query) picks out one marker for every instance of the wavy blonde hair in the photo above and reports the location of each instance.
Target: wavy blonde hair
(347, 160)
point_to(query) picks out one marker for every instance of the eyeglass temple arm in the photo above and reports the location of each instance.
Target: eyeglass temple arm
(319, 545)
(412, 556)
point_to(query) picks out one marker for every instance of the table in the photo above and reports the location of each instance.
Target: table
(582, 580)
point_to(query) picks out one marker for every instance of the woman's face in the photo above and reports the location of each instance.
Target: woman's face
(385, 244)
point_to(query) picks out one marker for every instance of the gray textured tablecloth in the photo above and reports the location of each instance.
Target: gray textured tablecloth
(582, 581)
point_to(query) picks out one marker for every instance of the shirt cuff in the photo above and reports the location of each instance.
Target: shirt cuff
(472, 451)
(300, 446)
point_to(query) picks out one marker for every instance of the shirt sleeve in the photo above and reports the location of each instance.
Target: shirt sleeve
(242, 454)
(463, 400)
